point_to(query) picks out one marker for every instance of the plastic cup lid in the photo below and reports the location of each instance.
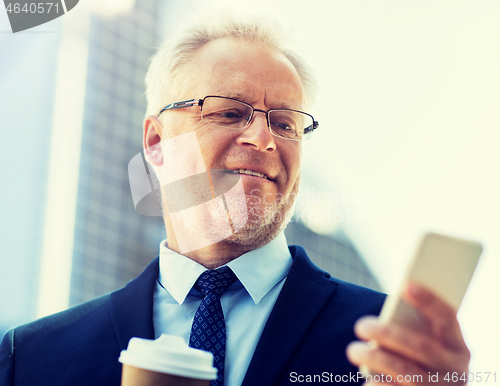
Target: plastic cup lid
(171, 355)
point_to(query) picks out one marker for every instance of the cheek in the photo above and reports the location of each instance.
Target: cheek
(292, 159)
(215, 145)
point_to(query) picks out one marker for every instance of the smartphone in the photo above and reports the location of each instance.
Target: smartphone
(444, 265)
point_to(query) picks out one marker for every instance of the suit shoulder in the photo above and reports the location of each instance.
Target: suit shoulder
(94, 309)
(81, 345)
(352, 297)
(69, 347)
(80, 326)
(369, 300)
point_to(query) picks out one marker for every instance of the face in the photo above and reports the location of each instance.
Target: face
(266, 80)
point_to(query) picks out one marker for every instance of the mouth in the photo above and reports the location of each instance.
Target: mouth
(251, 173)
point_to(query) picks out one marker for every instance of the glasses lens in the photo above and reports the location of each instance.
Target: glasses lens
(290, 124)
(225, 112)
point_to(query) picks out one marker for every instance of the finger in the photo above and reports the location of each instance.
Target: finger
(441, 316)
(415, 345)
(394, 367)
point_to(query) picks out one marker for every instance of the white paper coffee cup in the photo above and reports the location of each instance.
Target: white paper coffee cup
(169, 354)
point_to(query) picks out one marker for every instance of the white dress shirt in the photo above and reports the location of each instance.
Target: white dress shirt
(246, 304)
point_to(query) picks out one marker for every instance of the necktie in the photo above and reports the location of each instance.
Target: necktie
(209, 328)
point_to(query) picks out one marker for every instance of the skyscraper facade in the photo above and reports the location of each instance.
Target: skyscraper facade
(112, 241)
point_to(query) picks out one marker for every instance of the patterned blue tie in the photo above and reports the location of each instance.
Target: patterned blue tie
(209, 328)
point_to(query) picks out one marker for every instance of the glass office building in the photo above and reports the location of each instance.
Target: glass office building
(112, 241)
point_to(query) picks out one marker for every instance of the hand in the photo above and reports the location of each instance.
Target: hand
(396, 350)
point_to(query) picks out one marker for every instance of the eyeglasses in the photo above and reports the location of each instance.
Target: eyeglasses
(234, 114)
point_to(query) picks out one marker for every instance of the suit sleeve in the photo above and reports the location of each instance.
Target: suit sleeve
(7, 359)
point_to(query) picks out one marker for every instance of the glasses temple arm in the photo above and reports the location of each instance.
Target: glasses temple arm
(179, 105)
(312, 127)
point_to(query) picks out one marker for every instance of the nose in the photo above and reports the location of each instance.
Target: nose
(257, 134)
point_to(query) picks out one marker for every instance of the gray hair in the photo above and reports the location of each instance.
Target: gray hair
(168, 72)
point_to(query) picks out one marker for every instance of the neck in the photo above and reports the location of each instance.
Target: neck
(217, 254)
(212, 256)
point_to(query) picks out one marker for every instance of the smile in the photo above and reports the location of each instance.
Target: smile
(250, 173)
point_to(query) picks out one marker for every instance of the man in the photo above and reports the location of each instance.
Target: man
(226, 117)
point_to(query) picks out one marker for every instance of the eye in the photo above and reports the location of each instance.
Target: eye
(283, 126)
(226, 117)
(284, 123)
(230, 114)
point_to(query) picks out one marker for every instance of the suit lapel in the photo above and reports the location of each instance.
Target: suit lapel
(132, 307)
(305, 292)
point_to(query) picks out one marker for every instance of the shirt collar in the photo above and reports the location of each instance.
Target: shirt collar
(258, 270)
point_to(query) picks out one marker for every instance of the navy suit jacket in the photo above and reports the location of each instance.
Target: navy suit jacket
(306, 333)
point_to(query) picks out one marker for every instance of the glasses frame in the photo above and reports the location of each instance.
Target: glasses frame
(199, 102)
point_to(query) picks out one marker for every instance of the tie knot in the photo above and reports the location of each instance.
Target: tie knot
(217, 281)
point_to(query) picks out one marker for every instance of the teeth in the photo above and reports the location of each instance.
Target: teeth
(250, 173)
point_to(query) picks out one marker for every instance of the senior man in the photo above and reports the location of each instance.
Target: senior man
(227, 112)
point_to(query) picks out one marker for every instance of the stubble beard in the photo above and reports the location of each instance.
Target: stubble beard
(265, 221)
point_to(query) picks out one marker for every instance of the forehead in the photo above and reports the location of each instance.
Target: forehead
(246, 71)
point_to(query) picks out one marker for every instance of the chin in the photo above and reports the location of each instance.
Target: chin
(265, 222)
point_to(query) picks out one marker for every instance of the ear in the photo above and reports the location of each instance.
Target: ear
(152, 140)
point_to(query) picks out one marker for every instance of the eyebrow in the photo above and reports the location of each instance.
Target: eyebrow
(281, 105)
(233, 96)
